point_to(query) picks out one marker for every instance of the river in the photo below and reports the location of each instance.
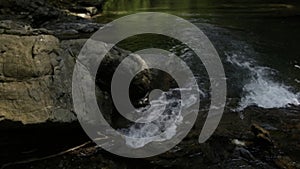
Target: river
(257, 42)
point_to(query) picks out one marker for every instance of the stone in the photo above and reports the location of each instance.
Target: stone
(141, 82)
(27, 56)
(238, 143)
(28, 102)
(244, 153)
(262, 135)
(71, 29)
(30, 90)
(84, 10)
(92, 10)
(285, 162)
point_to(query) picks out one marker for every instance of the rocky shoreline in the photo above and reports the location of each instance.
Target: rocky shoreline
(39, 42)
(51, 17)
(263, 139)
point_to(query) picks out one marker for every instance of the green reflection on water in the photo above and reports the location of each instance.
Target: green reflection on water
(271, 27)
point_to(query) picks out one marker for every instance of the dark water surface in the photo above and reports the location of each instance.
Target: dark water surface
(258, 42)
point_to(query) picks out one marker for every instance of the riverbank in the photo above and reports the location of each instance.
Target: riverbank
(265, 138)
(50, 17)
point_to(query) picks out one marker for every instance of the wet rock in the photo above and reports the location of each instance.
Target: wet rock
(238, 142)
(32, 11)
(111, 62)
(60, 28)
(80, 6)
(17, 25)
(269, 127)
(262, 135)
(285, 162)
(107, 68)
(92, 10)
(20, 28)
(85, 10)
(244, 153)
(48, 17)
(109, 65)
(72, 29)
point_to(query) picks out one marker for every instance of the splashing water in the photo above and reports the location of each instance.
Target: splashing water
(261, 90)
(163, 125)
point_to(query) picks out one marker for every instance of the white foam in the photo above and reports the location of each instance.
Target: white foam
(163, 127)
(262, 91)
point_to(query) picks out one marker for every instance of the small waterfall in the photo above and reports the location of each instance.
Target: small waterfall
(261, 90)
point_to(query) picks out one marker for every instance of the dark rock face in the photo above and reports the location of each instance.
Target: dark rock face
(32, 11)
(141, 82)
(105, 73)
(41, 11)
(90, 7)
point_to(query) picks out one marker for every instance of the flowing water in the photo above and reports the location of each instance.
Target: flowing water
(258, 42)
